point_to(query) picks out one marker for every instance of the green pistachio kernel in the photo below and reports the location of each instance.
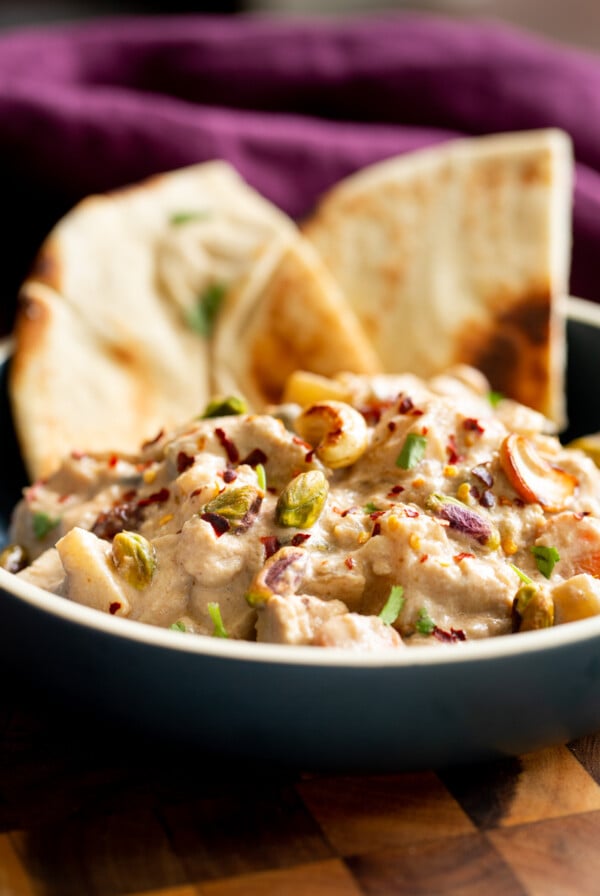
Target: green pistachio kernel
(302, 500)
(227, 406)
(533, 608)
(237, 505)
(14, 558)
(134, 558)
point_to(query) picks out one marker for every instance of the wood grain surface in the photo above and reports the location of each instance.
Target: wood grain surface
(93, 812)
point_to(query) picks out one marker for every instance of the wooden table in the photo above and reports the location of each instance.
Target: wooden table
(97, 813)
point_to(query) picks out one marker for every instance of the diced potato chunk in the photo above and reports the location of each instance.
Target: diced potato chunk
(90, 576)
(576, 598)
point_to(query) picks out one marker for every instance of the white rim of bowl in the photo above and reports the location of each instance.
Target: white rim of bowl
(490, 649)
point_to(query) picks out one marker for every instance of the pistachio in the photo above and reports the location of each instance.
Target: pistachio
(464, 519)
(533, 477)
(14, 558)
(300, 503)
(225, 407)
(533, 608)
(281, 574)
(238, 505)
(134, 558)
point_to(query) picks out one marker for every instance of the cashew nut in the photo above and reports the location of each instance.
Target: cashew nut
(337, 432)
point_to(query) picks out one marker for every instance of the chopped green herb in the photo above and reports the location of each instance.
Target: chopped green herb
(495, 398)
(412, 452)
(43, 524)
(545, 558)
(370, 507)
(178, 218)
(178, 626)
(215, 614)
(203, 315)
(261, 476)
(424, 624)
(524, 578)
(393, 605)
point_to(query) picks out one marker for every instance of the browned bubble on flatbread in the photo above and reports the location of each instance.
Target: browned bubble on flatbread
(460, 253)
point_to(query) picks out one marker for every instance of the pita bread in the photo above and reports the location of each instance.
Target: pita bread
(286, 314)
(460, 254)
(113, 325)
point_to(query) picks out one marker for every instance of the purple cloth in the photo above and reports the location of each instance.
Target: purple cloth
(293, 104)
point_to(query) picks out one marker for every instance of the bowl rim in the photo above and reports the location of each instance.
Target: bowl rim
(491, 649)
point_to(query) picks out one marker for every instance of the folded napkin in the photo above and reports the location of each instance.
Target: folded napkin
(294, 104)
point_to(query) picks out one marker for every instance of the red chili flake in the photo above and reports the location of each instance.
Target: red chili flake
(271, 545)
(63, 498)
(395, 490)
(373, 410)
(410, 512)
(424, 558)
(114, 607)
(125, 515)
(416, 412)
(391, 425)
(113, 460)
(473, 425)
(424, 430)
(406, 404)
(350, 562)
(229, 475)
(376, 514)
(452, 450)
(255, 458)
(376, 529)
(153, 441)
(298, 441)
(299, 538)
(129, 495)
(218, 522)
(463, 556)
(308, 457)
(455, 634)
(348, 510)
(184, 461)
(158, 497)
(230, 450)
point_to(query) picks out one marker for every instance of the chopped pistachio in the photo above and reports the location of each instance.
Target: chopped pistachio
(533, 608)
(261, 477)
(302, 500)
(228, 406)
(464, 519)
(495, 398)
(238, 505)
(134, 558)
(178, 626)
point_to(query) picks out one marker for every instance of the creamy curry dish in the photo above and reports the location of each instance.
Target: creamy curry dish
(363, 511)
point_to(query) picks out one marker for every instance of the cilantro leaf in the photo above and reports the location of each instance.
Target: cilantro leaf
(495, 398)
(424, 624)
(545, 559)
(43, 524)
(261, 477)
(215, 614)
(370, 507)
(203, 315)
(412, 452)
(178, 626)
(393, 605)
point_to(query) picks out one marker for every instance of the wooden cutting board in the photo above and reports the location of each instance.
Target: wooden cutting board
(97, 814)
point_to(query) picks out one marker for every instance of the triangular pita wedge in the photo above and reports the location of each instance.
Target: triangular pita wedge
(113, 325)
(460, 253)
(286, 314)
